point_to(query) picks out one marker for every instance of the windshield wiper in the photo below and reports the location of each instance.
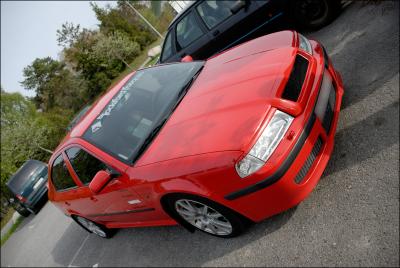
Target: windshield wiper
(161, 123)
(186, 87)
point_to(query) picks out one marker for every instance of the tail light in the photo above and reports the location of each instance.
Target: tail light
(21, 198)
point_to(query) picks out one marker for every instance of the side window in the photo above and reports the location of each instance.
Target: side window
(214, 12)
(60, 175)
(85, 165)
(187, 30)
(167, 48)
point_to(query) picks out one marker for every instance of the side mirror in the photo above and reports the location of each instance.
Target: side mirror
(187, 58)
(99, 181)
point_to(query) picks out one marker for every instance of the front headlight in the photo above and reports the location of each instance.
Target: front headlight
(265, 145)
(304, 44)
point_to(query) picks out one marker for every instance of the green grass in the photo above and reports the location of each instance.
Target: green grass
(7, 217)
(11, 231)
(153, 61)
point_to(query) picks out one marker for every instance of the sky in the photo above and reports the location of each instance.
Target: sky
(28, 31)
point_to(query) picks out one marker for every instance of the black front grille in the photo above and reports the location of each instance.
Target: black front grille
(310, 160)
(328, 117)
(296, 79)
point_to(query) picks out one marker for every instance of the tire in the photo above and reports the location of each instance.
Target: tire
(314, 14)
(21, 210)
(93, 227)
(227, 224)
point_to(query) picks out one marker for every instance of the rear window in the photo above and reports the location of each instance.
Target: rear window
(137, 109)
(25, 175)
(60, 175)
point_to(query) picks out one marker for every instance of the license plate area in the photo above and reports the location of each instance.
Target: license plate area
(38, 183)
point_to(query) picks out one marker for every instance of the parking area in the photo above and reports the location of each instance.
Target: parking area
(351, 218)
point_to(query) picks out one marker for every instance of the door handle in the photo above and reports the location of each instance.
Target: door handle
(216, 32)
(94, 199)
(67, 203)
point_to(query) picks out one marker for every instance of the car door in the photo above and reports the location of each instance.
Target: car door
(225, 25)
(116, 202)
(66, 188)
(192, 38)
(234, 22)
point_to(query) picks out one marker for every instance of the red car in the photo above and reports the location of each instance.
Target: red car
(212, 145)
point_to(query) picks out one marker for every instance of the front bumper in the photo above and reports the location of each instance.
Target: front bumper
(301, 170)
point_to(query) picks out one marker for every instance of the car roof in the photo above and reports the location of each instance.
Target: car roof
(183, 12)
(23, 174)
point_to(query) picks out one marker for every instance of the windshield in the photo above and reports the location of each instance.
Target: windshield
(134, 115)
(26, 177)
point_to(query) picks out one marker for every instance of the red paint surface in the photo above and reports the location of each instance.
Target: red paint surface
(214, 126)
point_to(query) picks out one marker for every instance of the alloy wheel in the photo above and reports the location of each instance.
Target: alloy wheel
(312, 10)
(91, 226)
(203, 217)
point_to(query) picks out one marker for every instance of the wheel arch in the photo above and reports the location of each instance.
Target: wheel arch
(167, 209)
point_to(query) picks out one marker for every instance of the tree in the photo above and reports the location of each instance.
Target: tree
(157, 13)
(38, 75)
(14, 108)
(54, 84)
(68, 34)
(25, 133)
(116, 46)
(120, 19)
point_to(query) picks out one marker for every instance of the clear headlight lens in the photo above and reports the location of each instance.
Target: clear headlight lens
(265, 145)
(305, 44)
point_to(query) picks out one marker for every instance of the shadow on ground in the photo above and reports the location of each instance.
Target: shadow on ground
(175, 246)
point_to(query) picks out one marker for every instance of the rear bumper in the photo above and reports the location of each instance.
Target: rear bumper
(301, 170)
(40, 197)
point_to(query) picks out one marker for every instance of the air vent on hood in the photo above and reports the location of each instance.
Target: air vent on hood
(296, 79)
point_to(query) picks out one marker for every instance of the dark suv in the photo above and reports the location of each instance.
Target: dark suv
(208, 27)
(28, 186)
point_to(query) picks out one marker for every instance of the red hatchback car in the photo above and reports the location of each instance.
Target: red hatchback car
(212, 145)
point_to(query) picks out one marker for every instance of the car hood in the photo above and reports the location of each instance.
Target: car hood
(228, 101)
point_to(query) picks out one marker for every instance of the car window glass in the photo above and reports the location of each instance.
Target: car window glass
(60, 175)
(85, 165)
(132, 114)
(214, 12)
(167, 49)
(78, 117)
(187, 30)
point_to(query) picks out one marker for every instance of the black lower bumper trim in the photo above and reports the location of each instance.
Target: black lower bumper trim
(282, 169)
(326, 58)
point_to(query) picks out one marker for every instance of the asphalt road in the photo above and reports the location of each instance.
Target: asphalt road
(351, 218)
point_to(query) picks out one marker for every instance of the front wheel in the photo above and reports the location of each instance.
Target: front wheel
(93, 227)
(207, 216)
(314, 14)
